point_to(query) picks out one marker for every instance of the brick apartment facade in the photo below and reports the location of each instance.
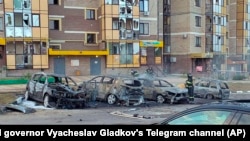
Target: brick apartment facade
(91, 37)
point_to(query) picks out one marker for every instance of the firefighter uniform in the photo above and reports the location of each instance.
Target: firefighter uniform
(189, 85)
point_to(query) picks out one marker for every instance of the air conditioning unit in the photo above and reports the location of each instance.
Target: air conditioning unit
(146, 13)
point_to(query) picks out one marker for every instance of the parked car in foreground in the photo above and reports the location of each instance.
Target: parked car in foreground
(211, 89)
(230, 112)
(114, 89)
(55, 91)
(162, 91)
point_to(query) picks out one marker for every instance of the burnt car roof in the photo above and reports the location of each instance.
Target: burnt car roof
(52, 74)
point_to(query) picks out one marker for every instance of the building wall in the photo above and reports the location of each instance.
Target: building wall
(72, 36)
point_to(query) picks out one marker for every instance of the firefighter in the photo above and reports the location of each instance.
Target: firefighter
(189, 85)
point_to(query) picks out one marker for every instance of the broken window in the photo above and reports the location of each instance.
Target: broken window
(90, 14)
(54, 24)
(9, 19)
(91, 38)
(125, 51)
(26, 4)
(26, 19)
(122, 10)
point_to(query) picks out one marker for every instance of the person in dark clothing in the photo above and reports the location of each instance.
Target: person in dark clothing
(189, 85)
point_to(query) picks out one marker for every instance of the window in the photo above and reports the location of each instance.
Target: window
(18, 19)
(219, 40)
(248, 8)
(35, 20)
(115, 49)
(219, 20)
(144, 5)
(198, 3)
(54, 25)
(244, 119)
(54, 2)
(111, 1)
(197, 21)
(115, 23)
(55, 47)
(91, 38)
(198, 41)
(166, 2)
(1, 1)
(202, 117)
(1, 23)
(26, 19)
(115, 1)
(144, 28)
(90, 14)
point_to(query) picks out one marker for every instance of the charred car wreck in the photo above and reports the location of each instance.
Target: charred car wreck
(114, 90)
(55, 91)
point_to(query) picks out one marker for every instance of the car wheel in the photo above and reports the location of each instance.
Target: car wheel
(48, 103)
(209, 96)
(26, 95)
(160, 99)
(111, 99)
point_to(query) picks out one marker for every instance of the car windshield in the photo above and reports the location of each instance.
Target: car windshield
(202, 117)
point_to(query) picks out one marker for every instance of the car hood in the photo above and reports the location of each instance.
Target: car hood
(175, 90)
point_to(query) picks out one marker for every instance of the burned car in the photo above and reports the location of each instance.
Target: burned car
(55, 91)
(211, 89)
(162, 91)
(114, 89)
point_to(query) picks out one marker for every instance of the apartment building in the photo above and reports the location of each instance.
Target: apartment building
(201, 36)
(24, 35)
(79, 37)
(238, 51)
(90, 37)
(185, 48)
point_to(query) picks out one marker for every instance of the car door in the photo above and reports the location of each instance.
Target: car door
(95, 84)
(32, 84)
(214, 88)
(201, 88)
(106, 86)
(40, 87)
(224, 91)
(148, 88)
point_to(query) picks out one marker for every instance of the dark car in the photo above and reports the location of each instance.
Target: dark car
(55, 91)
(211, 89)
(230, 112)
(114, 89)
(162, 91)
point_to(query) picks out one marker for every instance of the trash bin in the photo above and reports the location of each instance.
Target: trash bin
(78, 72)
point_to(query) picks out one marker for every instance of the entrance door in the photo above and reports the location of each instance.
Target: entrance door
(150, 56)
(95, 66)
(59, 65)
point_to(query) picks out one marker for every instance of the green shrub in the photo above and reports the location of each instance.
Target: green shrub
(239, 77)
